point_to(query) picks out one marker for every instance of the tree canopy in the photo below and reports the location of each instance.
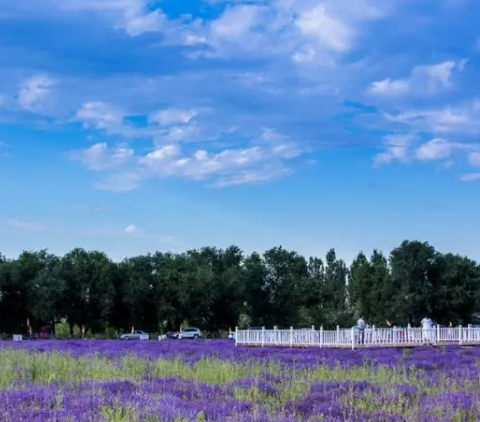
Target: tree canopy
(216, 289)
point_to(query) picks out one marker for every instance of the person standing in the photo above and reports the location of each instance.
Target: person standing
(361, 329)
(427, 326)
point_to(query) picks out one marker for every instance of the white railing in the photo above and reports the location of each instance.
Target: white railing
(352, 337)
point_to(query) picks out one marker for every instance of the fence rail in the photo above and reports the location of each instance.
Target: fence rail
(353, 338)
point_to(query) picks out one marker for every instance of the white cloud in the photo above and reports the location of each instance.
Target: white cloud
(237, 22)
(265, 159)
(133, 16)
(330, 32)
(396, 149)
(103, 116)
(470, 177)
(99, 115)
(425, 79)
(435, 149)
(133, 231)
(100, 156)
(231, 166)
(34, 91)
(462, 119)
(123, 181)
(305, 30)
(437, 75)
(25, 225)
(404, 148)
(474, 159)
(389, 87)
(173, 116)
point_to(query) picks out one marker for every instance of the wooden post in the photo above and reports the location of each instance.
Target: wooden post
(312, 340)
(438, 340)
(291, 336)
(408, 332)
(459, 334)
(337, 340)
(469, 332)
(321, 336)
(353, 338)
(263, 336)
(236, 336)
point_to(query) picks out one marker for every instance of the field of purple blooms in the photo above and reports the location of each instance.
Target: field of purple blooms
(195, 381)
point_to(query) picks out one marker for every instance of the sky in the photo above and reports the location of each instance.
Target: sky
(131, 126)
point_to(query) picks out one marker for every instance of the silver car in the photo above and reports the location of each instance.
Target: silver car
(191, 332)
(136, 335)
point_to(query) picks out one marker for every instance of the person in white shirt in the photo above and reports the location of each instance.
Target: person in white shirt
(361, 329)
(427, 326)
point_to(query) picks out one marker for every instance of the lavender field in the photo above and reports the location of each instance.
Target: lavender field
(194, 381)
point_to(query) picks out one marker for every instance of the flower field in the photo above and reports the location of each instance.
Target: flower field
(194, 381)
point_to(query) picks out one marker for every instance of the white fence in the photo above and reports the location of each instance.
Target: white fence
(352, 337)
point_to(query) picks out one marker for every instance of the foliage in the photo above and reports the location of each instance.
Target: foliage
(217, 289)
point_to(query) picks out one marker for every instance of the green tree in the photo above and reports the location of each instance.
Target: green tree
(285, 272)
(88, 292)
(382, 289)
(456, 298)
(256, 304)
(312, 294)
(139, 292)
(361, 287)
(335, 291)
(415, 279)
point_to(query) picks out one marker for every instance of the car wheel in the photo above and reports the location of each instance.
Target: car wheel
(195, 336)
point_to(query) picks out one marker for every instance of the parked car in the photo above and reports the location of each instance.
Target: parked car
(191, 332)
(136, 335)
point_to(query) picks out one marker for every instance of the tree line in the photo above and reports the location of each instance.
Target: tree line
(216, 289)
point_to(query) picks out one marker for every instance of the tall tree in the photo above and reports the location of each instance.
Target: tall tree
(415, 278)
(139, 287)
(382, 290)
(285, 271)
(257, 305)
(45, 289)
(457, 297)
(361, 287)
(335, 291)
(311, 290)
(88, 288)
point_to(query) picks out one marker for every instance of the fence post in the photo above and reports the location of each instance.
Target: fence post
(469, 332)
(353, 338)
(337, 340)
(291, 336)
(408, 332)
(236, 336)
(460, 334)
(438, 334)
(312, 340)
(263, 336)
(374, 334)
(321, 336)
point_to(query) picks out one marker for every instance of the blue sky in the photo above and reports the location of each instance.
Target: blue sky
(131, 126)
